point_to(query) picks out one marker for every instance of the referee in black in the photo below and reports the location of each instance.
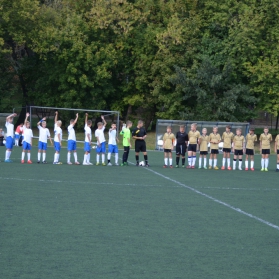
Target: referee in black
(139, 134)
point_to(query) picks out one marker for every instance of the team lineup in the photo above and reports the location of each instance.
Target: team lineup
(183, 142)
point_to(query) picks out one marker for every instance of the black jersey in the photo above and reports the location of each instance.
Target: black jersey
(181, 137)
(139, 132)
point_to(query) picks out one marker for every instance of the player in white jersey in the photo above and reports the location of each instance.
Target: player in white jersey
(27, 141)
(112, 144)
(87, 141)
(43, 136)
(57, 139)
(72, 142)
(9, 137)
(101, 141)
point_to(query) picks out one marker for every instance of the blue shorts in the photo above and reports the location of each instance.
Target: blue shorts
(17, 136)
(42, 145)
(101, 148)
(57, 146)
(26, 146)
(72, 145)
(87, 147)
(9, 143)
(112, 148)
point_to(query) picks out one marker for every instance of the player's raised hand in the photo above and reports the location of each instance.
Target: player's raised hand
(44, 119)
(56, 112)
(15, 114)
(77, 115)
(27, 114)
(86, 114)
(102, 117)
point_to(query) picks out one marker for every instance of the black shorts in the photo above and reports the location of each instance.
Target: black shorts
(192, 147)
(203, 152)
(214, 151)
(181, 149)
(140, 145)
(265, 151)
(277, 151)
(167, 150)
(227, 150)
(249, 151)
(238, 152)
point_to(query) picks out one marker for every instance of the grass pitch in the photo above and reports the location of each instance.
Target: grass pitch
(60, 221)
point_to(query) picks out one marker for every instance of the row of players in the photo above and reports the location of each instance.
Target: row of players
(139, 134)
(238, 144)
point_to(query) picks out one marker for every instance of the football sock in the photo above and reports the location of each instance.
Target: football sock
(177, 160)
(57, 157)
(277, 165)
(98, 158)
(200, 162)
(210, 162)
(54, 159)
(262, 163)
(193, 160)
(228, 162)
(123, 156)
(266, 163)
(240, 163)
(127, 155)
(116, 158)
(183, 161)
(44, 156)
(28, 156)
(75, 156)
(22, 155)
(137, 158)
(39, 156)
(166, 161)
(68, 157)
(252, 164)
(189, 160)
(234, 163)
(247, 164)
(84, 158)
(109, 155)
(145, 159)
(224, 162)
(170, 160)
(8, 154)
(88, 158)
(103, 158)
(215, 163)
(204, 162)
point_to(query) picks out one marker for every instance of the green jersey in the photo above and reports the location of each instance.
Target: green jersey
(126, 136)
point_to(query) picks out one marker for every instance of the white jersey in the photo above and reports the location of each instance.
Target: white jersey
(10, 129)
(112, 137)
(57, 131)
(100, 134)
(71, 133)
(43, 134)
(28, 135)
(87, 131)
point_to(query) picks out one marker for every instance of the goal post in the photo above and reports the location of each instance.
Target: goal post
(162, 124)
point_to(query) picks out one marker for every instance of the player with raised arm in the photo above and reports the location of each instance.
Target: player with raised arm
(181, 145)
(57, 139)
(265, 139)
(168, 140)
(126, 133)
(238, 148)
(204, 140)
(139, 134)
(251, 138)
(87, 141)
(27, 141)
(112, 144)
(9, 137)
(214, 139)
(194, 137)
(101, 141)
(72, 142)
(227, 138)
(44, 135)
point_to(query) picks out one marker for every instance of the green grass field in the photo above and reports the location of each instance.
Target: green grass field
(60, 221)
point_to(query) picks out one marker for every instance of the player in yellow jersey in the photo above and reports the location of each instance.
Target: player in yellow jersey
(194, 137)
(227, 138)
(168, 140)
(238, 148)
(251, 138)
(204, 140)
(265, 139)
(276, 150)
(214, 139)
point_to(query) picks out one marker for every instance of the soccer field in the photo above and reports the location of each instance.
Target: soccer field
(60, 221)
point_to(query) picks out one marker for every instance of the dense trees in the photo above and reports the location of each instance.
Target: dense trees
(190, 59)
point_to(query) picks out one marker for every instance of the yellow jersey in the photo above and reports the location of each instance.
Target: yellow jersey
(277, 141)
(204, 140)
(193, 137)
(168, 140)
(228, 139)
(215, 138)
(250, 141)
(238, 142)
(265, 140)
